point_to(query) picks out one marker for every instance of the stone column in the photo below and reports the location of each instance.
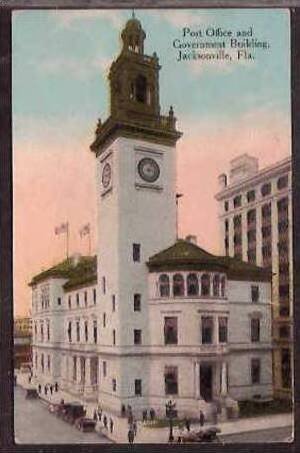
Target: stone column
(244, 237)
(215, 330)
(224, 379)
(197, 380)
(258, 236)
(230, 236)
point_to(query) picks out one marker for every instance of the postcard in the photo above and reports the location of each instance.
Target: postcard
(153, 292)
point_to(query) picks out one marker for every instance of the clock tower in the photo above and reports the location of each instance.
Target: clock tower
(136, 202)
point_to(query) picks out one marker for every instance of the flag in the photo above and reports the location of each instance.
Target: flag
(84, 230)
(63, 228)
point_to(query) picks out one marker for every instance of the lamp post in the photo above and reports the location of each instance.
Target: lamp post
(171, 413)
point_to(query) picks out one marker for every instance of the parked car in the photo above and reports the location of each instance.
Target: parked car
(205, 435)
(85, 424)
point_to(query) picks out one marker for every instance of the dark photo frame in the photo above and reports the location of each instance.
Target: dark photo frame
(7, 440)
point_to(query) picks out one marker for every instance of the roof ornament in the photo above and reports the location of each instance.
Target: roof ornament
(133, 14)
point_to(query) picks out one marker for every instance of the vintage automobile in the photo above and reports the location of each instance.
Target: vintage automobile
(204, 435)
(85, 424)
(31, 393)
(73, 411)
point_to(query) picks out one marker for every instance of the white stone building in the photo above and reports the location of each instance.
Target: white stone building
(161, 317)
(255, 215)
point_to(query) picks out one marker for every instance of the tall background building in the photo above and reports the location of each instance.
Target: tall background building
(255, 217)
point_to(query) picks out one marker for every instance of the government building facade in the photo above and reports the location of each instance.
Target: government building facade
(151, 317)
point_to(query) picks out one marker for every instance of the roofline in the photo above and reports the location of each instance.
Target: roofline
(282, 165)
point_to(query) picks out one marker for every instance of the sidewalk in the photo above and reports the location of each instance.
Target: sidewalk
(147, 434)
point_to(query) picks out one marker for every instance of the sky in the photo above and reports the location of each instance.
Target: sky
(60, 64)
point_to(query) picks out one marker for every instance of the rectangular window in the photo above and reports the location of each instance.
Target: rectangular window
(282, 182)
(207, 329)
(226, 223)
(94, 296)
(223, 331)
(237, 201)
(226, 206)
(255, 371)
(137, 302)
(286, 376)
(104, 368)
(70, 331)
(48, 362)
(113, 301)
(74, 368)
(95, 331)
(77, 300)
(104, 319)
(77, 331)
(85, 298)
(137, 336)
(136, 252)
(114, 337)
(255, 330)
(69, 302)
(103, 285)
(48, 331)
(59, 301)
(171, 380)
(138, 387)
(250, 196)
(114, 385)
(86, 331)
(254, 293)
(170, 330)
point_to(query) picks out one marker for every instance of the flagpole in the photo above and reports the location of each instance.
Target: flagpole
(89, 242)
(178, 195)
(67, 239)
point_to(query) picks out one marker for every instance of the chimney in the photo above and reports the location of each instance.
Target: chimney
(222, 179)
(75, 259)
(191, 238)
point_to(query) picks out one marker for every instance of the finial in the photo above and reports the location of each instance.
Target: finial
(133, 14)
(171, 111)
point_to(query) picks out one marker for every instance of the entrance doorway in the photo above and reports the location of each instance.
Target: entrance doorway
(206, 381)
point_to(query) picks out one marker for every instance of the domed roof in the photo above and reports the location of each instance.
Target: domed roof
(133, 23)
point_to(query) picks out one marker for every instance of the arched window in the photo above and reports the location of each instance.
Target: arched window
(141, 89)
(164, 285)
(223, 286)
(178, 285)
(205, 285)
(216, 285)
(192, 285)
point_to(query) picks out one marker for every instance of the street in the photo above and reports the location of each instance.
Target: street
(35, 424)
(267, 435)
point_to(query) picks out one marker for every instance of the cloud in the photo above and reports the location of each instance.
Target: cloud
(67, 19)
(75, 67)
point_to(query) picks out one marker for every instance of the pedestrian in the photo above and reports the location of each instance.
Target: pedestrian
(187, 424)
(111, 425)
(144, 414)
(130, 436)
(39, 388)
(51, 389)
(179, 440)
(99, 414)
(105, 421)
(95, 417)
(134, 427)
(56, 387)
(201, 418)
(152, 414)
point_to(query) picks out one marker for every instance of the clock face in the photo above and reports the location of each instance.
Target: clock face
(148, 169)
(106, 175)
